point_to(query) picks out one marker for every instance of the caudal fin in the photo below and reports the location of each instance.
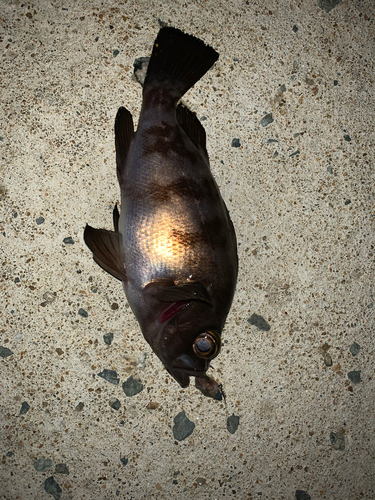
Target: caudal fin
(178, 59)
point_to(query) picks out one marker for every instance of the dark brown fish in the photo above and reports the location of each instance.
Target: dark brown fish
(174, 246)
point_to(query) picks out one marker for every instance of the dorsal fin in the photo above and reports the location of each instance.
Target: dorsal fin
(193, 129)
(116, 217)
(107, 250)
(124, 133)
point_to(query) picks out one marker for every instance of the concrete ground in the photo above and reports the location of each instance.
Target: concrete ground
(289, 115)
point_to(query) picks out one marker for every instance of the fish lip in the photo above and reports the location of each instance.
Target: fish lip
(180, 370)
(184, 365)
(190, 372)
(182, 378)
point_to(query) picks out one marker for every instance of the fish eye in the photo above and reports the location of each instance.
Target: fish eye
(207, 345)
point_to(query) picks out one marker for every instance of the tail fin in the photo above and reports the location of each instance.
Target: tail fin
(179, 59)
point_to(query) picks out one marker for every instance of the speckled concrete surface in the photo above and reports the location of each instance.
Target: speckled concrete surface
(288, 110)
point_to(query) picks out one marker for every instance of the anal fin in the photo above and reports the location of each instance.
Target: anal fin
(107, 250)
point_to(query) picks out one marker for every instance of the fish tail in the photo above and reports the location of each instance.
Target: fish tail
(178, 59)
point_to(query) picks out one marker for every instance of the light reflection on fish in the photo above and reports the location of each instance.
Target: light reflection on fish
(174, 246)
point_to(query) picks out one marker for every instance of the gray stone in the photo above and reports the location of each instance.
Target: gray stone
(354, 349)
(53, 488)
(110, 376)
(25, 407)
(108, 337)
(337, 441)
(266, 120)
(61, 469)
(114, 403)
(183, 427)
(83, 313)
(131, 386)
(355, 376)
(295, 153)
(259, 322)
(68, 241)
(232, 423)
(42, 464)
(80, 406)
(5, 352)
(328, 5)
(327, 359)
(302, 495)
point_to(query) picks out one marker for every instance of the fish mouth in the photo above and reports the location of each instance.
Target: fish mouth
(182, 378)
(184, 367)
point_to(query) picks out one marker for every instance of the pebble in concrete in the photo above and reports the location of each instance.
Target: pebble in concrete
(68, 241)
(42, 464)
(337, 441)
(354, 349)
(183, 427)
(114, 403)
(266, 120)
(131, 386)
(83, 313)
(355, 376)
(5, 352)
(232, 423)
(110, 376)
(302, 495)
(259, 322)
(53, 488)
(108, 337)
(61, 469)
(25, 407)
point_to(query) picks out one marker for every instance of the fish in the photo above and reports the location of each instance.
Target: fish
(173, 245)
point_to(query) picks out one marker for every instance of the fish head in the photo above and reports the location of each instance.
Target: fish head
(184, 333)
(187, 342)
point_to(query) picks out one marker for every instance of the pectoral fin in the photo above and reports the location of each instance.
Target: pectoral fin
(106, 247)
(176, 293)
